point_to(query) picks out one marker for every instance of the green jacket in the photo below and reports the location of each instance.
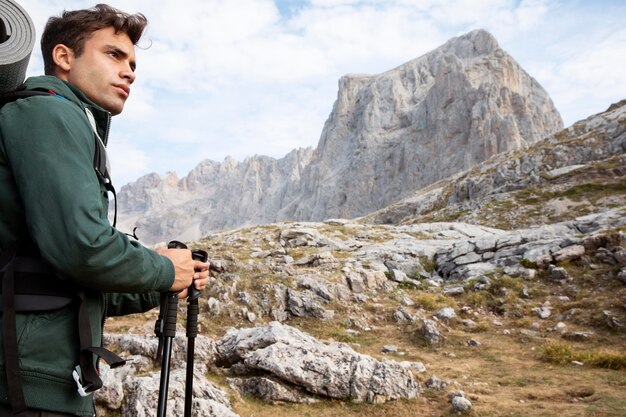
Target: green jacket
(48, 188)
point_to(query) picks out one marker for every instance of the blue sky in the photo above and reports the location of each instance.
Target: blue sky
(259, 77)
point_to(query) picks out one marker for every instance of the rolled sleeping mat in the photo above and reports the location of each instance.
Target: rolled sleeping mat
(17, 39)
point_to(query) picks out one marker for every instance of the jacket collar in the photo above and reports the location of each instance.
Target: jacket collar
(76, 96)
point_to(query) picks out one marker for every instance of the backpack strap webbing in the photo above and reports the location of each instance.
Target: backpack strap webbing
(90, 379)
(12, 364)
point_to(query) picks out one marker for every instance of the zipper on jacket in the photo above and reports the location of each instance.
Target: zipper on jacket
(107, 129)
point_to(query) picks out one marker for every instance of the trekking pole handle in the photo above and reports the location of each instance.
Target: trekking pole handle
(197, 255)
(175, 244)
(171, 311)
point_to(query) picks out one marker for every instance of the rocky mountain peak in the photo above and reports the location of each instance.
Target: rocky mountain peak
(387, 136)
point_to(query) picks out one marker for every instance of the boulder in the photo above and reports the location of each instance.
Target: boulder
(333, 370)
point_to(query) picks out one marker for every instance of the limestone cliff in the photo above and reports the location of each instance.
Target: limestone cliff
(387, 136)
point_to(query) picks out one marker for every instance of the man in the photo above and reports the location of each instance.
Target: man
(53, 210)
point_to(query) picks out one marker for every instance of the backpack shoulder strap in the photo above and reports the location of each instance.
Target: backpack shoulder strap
(101, 162)
(17, 94)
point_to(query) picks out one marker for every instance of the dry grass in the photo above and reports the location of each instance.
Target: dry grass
(527, 372)
(507, 375)
(598, 186)
(563, 353)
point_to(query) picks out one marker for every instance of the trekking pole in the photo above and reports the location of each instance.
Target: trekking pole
(192, 324)
(166, 330)
(192, 331)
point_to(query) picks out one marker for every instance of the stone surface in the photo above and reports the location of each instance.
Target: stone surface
(540, 245)
(290, 367)
(461, 404)
(269, 390)
(141, 396)
(430, 332)
(436, 383)
(446, 313)
(333, 370)
(594, 139)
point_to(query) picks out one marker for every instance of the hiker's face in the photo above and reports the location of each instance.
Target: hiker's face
(105, 70)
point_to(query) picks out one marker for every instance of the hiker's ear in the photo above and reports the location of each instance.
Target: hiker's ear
(63, 57)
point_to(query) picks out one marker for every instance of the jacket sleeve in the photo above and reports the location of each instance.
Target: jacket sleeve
(50, 147)
(123, 304)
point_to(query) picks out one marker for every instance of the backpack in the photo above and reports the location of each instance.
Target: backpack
(30, 285)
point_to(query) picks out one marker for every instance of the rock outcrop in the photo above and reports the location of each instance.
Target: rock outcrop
(334, 371)
(591, 151)
(388, 135)
(288, 366)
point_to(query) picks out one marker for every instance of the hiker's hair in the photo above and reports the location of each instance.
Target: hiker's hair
(73, 28)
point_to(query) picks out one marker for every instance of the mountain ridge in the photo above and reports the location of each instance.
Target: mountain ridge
(387, 136)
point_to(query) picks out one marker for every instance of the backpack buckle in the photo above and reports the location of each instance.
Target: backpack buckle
(83, 390)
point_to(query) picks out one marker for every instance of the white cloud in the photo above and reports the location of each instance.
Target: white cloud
(332, 3)
(601, 66)
(530, 13)
(238, 78)
(592, 77)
